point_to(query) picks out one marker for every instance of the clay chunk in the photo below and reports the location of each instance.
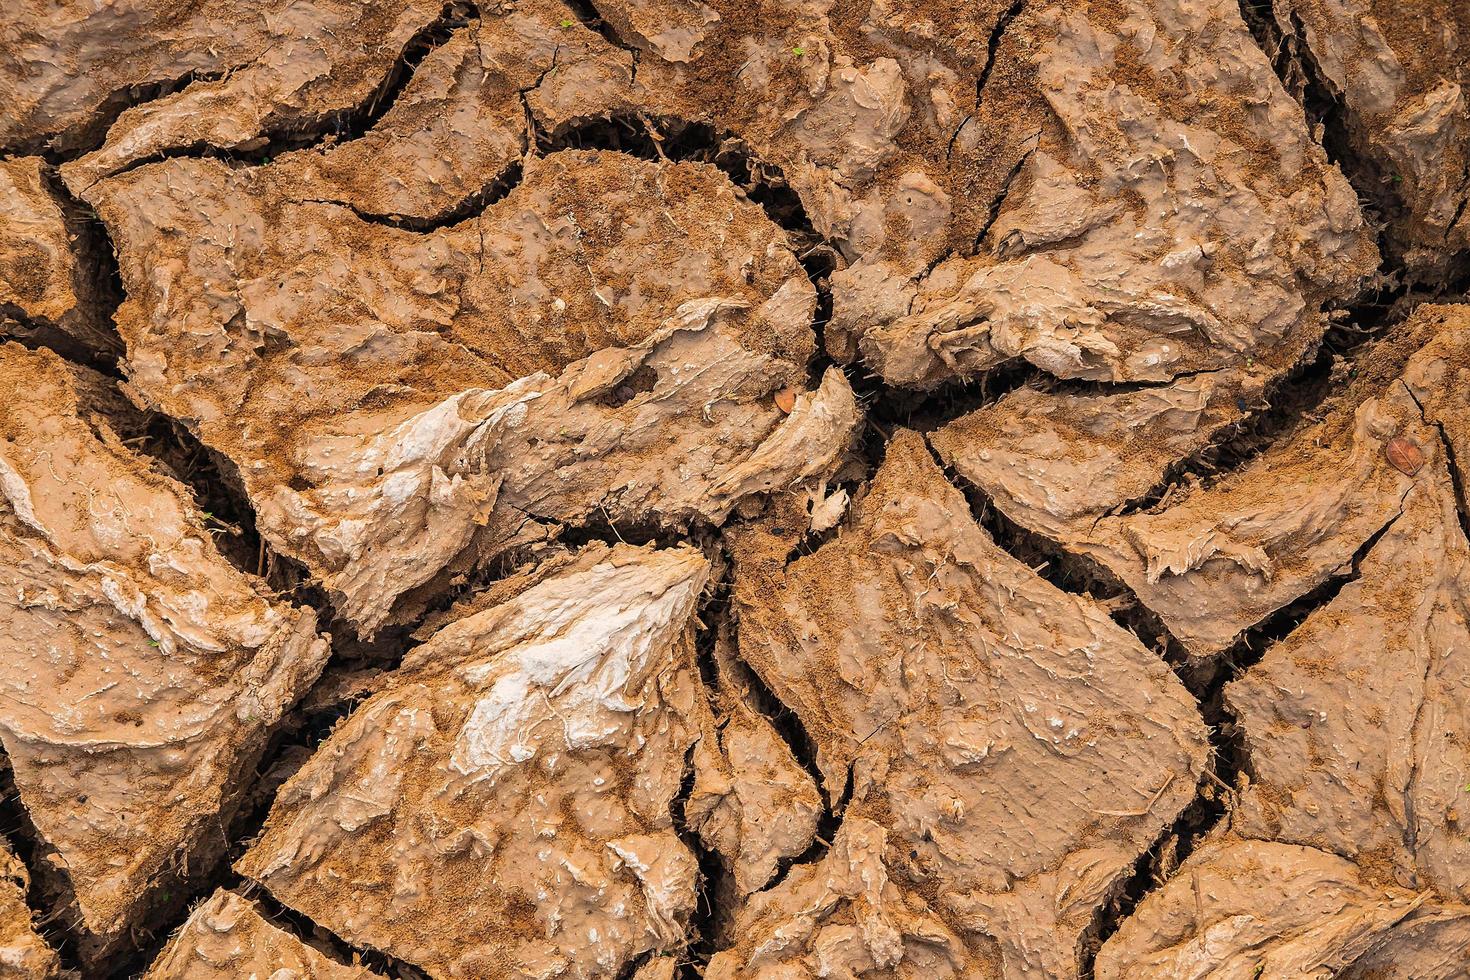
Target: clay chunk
(1358, 723)
(602, 344)
(142, 672)
(24, 955)
(1214, 559)
(1256, 909)
(36, 262)
(227, 938)
(1167, 212)
(1225, 557)
(1056, 462)
(1401, 69)
(440, 143)
(1116, 192)
(846, 915)
(46, 291)
(961, 697)
(502, 806)
(221, 75)
(752, 802)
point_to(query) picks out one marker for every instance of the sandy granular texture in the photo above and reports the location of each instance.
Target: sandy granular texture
(662, 489)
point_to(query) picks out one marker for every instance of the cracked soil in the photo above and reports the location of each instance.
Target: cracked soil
(673, 489)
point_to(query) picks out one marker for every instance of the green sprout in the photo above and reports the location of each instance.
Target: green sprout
(153, 643)
(799, 50)
(567, 22)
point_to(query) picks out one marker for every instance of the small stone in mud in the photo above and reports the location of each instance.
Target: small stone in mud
(1405, 455)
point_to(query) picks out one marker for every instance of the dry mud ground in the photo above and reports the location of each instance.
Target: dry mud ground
(651, 489)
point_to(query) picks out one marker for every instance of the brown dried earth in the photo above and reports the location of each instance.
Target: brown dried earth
(653, 489)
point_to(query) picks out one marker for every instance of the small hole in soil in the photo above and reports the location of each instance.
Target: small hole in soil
(639, 382)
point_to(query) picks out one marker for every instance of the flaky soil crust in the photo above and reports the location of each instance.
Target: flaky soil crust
(880, 489)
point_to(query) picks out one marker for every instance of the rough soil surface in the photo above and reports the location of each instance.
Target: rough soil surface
(1213, 560)
(46, 287)
(502, 807)
(145, 672)
(959, 696)
(1398, 73)
(1357, 722)
(1347, 853)
(752, 802)
(661, 489)
(1070, 186)
(605, 342)
(1259, 909)
(226, 74)
(228, 937)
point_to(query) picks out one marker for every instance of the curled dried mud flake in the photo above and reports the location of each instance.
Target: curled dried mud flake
(1056, 462)
(260, 70)
(47, 289)
(1253, 909)
(1402, 75)
(1329, 727)
(468, 383)
(751, 802)
(1098, 271)
(148, 671)
(1214, 560)
(502, 806)
(36, 261)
